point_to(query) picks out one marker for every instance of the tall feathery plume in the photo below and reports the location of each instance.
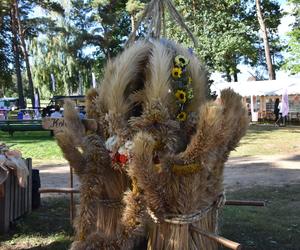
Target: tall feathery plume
(186, 189)
(183, 189)
(101, 189)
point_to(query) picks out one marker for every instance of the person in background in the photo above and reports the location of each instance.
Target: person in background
(37, 115)
(276, 111)
(27, 116)
(80, 113)
(281, 120)
(56, 113)
(20, 115)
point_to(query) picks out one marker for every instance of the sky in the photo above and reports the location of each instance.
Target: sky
(283, 29)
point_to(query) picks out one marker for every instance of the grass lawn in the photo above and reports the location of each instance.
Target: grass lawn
(275, 226)
(269, 140)
(259, 140)
(38, 145)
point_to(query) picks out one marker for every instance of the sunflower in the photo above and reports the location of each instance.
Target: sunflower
(181, 96)
(182, 116)
(181, 61)
(176, 72)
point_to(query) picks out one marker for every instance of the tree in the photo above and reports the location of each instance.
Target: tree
(17, 26)
(265, 39)
(14, 29)
(292, 63)
(134, 8)
(228, 32)
(90, 32)
(224, 40)
(22, 34)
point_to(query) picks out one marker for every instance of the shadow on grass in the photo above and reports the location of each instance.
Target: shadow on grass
(275, 226)
(57, 245)
(293, 158)
(47, 227)
(25, 136)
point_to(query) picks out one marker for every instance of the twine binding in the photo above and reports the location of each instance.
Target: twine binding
(110, 203)
(183, 219)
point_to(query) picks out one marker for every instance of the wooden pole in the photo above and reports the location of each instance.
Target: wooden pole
(245, 203)
(59, 190)
(71, 196)
(223, 241)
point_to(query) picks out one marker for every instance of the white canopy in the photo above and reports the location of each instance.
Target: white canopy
(260, 88)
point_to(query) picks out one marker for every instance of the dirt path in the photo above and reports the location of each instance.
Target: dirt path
(240, 172)
(244, 172)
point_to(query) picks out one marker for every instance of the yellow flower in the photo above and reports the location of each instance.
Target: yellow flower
(190, 80)
(176, 72)
(181, 96)
(182, 116)
(181, 61)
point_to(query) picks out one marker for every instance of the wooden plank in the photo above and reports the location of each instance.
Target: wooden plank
(15, 198)
(221, 240)
(26, 194)
(59, 190)
(58, 124)
(29, 164)
(245, 203)
(71, 196)
(7, 203)
(12, 195)
(4, 207)
(22, 200)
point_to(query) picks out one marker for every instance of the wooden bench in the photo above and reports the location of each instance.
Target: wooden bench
(11, 126)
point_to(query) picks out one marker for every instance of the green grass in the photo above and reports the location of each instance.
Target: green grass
(259, 140)
(38, 145)
(269, 140)
(275, 226)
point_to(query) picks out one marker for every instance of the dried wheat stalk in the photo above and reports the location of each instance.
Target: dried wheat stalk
(101, 187)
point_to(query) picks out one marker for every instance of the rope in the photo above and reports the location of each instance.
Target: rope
(110, 203)
(183, 219)
(153, 14)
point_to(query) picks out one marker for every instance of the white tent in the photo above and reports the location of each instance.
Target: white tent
(260, 88)
(290, 86)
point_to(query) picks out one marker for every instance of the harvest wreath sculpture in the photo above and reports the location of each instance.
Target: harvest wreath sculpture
(154, 167)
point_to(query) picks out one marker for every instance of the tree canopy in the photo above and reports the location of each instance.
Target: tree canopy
(67, 41)
(293, 61)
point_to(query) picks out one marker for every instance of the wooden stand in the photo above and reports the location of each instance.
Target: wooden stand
(15, 201)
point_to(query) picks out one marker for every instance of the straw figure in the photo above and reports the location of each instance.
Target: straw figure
(101, 188)
(171, 140)
(154, 166)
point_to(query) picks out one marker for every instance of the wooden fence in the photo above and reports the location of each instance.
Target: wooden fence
(15, 201)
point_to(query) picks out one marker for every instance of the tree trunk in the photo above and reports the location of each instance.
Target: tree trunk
(227, 75)
(235, 77)
(265, 39)
(17, 59)
(26, 57)
(133, 25)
